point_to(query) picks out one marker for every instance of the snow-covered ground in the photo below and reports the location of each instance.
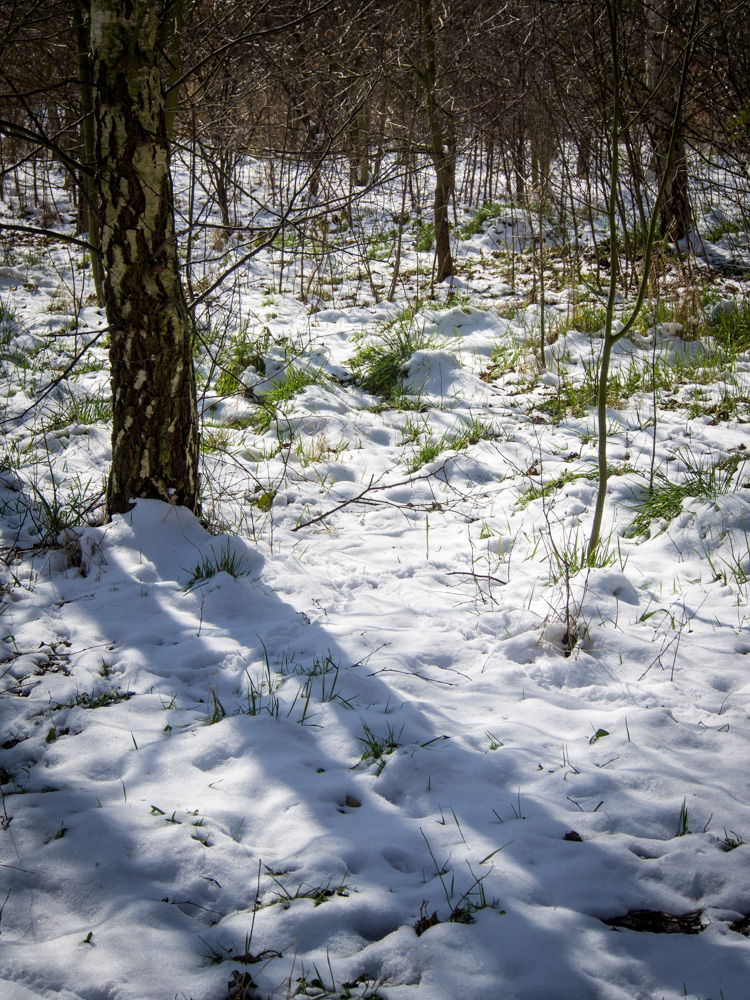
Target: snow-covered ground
(371, 729)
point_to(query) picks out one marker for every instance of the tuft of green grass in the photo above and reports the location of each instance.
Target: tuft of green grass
(587, 317)
(260, 696)
(474, 900)
(293, 381)
(244, 352)
(87, 410)
(473, 431)
(428, 448)
(315, 985)
(732, 840)
(10, 323)
(34, 257)
(733, 328)
(65, 509)
(427, 451)
(571, 559)
(664, 499)
(380, 246)
(318, 893)
(731, 405)
(216, 711)
(489, 211)
(88, 364)
(641, 376)
(656, 313)
(318, 449)
(545, 490)
(732, 568)
(495, 743)
(110, 696)
(404, 402)
(412, 430)
(631, 242)
(223, 561)
(377, 748)
(216, 440)
(425, 236)
(288, 239)
(504, 358)
(717, 364)
(682, 823)
(379, 367)
(725, 227)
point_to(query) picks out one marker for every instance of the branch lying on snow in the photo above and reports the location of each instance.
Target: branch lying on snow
(363, 497)
(414, 673)
(478, 576)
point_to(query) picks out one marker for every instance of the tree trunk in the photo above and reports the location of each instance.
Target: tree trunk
(155, 424)
(676, 217)
(519, 165)
(662, 72)
(170, 39)
(583, 160)
(443, 187)
(359, 163)
(542, 155)
(87, 200)
(441, 154)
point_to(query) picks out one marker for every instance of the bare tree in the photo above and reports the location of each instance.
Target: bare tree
(441, 142)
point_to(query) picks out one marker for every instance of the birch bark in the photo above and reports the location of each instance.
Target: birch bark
(442, 152)
(155, 423)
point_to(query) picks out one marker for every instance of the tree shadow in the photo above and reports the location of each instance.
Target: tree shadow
(268, 790)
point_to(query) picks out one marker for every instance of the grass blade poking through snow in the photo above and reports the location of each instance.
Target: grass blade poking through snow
(225, 561)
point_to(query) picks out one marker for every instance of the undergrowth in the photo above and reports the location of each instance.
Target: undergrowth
(244, 352)
(663, 499)
(489, 211)
(380, 366)
(293, 381)
(427, 448)
(732, 328)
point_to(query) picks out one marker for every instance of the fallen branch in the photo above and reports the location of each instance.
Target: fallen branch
(363, 497)
(478, 576)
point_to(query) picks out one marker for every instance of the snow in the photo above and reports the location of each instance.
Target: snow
(346, 699)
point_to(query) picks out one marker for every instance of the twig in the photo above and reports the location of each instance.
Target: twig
(51, 233)
(56, 381)
(362, 497)
(675, 639)
(438, 872)
(478, 576)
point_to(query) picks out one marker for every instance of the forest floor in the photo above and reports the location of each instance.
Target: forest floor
(372, 727)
